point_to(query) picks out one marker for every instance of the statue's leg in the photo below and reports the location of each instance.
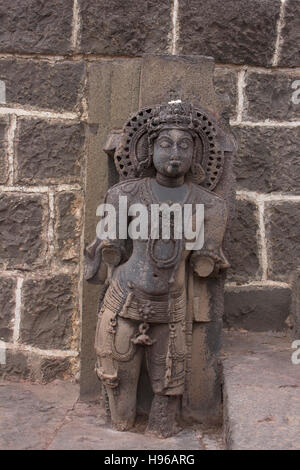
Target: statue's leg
(166, 366)
(162, 418)
(119, 364)
(122, 400)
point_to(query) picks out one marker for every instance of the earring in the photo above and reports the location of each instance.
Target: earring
(197, 173)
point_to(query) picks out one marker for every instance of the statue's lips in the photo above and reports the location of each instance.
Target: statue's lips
(173, 166)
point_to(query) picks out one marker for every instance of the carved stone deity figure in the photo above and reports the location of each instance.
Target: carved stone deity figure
(167, 154)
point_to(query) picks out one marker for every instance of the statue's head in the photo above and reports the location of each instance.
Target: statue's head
(173, 150)
(172, 139)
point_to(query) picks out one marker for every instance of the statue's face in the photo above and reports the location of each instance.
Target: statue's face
(173, 152)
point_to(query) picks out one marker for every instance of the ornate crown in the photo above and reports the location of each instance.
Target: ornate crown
(175, 114)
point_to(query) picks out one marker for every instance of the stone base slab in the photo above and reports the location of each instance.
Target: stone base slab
(261, 392)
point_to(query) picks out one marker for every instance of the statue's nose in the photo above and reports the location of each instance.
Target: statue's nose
(175, 153)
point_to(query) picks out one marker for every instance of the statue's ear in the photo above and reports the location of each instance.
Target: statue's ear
(150, 149)
(197, 173)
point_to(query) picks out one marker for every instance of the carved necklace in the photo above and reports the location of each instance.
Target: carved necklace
(173, 260)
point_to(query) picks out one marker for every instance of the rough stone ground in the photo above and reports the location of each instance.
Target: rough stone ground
(261, 392)
(51, 417)
(261, 404)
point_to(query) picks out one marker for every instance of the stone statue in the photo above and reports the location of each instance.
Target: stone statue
(168, 154)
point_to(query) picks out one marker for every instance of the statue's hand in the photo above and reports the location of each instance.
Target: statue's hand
(208, 263)
(202, 265)
(111, 255)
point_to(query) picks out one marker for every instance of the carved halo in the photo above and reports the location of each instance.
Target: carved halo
(132, 155)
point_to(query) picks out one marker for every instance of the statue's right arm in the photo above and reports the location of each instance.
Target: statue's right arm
(95, 269)
(103, 253)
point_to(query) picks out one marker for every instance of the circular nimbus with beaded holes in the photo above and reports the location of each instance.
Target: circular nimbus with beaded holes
(133, 156)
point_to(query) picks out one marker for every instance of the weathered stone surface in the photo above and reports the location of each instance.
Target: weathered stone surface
(269, 96)
(22, 237)
(3, 152)
(295, 307)
(202, 403)
(49, 306)
(162, 77)
(283, 239)
(49, 153)
(34, 367)
(16, 366)
(290, 50)
(242, 243)
(268, 159)
(46, 369)
(42, 85)
(31, 414)
(208, 300)
(187, 78)
(69, 207)
(88, 435)
(257, 309)
(113, 95)
(121, 28)
(232, 32)
(225, 82)
(35, 26)
(7, 306)
(261, 392)
(32, 417)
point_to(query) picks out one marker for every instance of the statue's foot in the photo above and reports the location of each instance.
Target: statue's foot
(122, 426)
(163, 433)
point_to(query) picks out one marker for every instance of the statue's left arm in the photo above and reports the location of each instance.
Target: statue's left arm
(210, 259)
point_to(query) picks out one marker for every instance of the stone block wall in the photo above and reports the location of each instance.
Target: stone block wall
(46, 49)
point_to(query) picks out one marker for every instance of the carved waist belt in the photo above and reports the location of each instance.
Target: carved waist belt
(138, 305)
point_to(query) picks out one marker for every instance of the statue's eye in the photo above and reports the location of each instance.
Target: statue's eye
(164, 144)
(184, 144)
